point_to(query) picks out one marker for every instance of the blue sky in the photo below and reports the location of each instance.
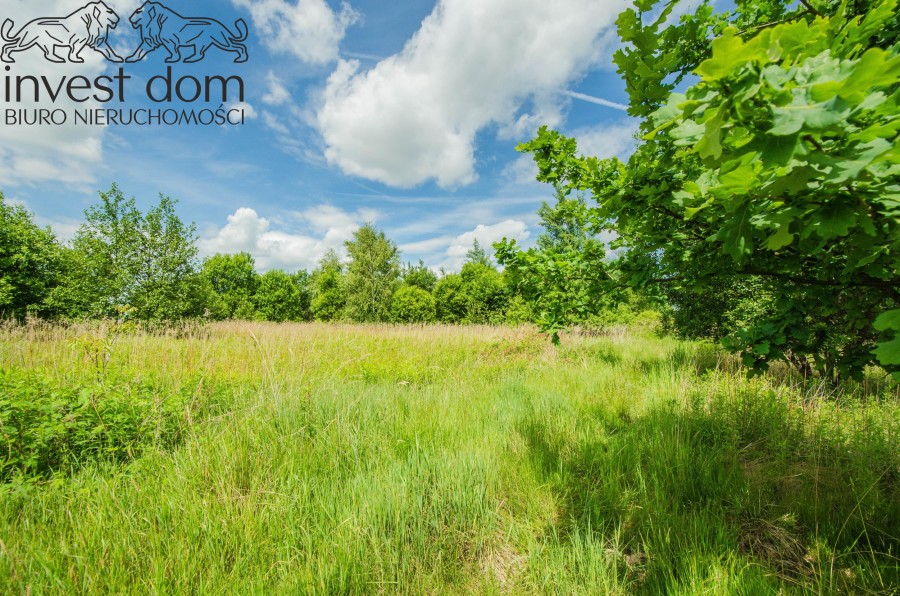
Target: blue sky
(403, 113)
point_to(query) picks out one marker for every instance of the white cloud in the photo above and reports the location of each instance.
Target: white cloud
(307, 29)
(277, 94)
(415, 115)
(455, 255)
(274, 124)
(608, 140)
(248, 110)
(327, 228)
(522, 171)
(429, 246)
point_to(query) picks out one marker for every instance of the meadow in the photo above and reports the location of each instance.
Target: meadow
(341, 459)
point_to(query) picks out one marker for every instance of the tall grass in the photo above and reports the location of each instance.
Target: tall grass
(345, 459)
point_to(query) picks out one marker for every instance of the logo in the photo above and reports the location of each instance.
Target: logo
(169, 99)
(86, 27)
(158, 25)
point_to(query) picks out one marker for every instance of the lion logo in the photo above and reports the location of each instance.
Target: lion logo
(88, 26)
(160, 26)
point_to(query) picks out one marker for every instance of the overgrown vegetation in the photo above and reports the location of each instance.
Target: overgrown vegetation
(145, 447)
(341, 459)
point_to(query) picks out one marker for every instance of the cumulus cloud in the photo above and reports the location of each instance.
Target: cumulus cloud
(326, 227)
(608, 140)
(415, 115)
(455, 254)
(307, 29)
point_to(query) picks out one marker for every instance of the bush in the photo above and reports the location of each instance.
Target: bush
(518, 311)
(46, 427)
(413, 305)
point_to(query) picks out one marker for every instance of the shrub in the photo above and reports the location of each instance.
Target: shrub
(413, 305)
(47, 427)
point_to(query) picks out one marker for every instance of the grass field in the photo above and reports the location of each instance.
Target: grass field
(255, 458)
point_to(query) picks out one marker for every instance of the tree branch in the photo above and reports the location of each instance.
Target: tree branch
(810, 8)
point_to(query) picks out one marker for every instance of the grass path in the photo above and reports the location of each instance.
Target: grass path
(342, 459)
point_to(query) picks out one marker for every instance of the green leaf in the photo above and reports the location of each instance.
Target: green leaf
(710, 145)
(834, 221)
(866, 153)
(780, 239)
(889, 320)
(888, 353)
(687, 132)
(728, 53)
(736, 233)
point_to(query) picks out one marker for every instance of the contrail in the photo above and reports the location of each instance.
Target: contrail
(361, 56)
(596, 100)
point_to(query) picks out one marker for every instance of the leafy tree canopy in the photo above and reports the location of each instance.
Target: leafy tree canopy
(778, 163)
(420, 276)
(122, 258)
(412, 304)
(372, 275)
(234, 281)
(477, 254)
(29, 262)
(281, 296)
(327, 283)
(564, 277)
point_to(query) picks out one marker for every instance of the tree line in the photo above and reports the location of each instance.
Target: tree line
(124, 263)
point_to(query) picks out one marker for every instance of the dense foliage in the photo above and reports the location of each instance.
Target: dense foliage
(412, 304)
(122, 257)
(48, 426)
(563, 277)
(233, 281)
(372, 275)
(29, 262)
(767, 190)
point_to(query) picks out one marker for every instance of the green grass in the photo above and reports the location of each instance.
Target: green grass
(342, 459)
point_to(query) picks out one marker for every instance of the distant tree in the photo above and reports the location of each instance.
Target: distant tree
(419, 276)
(169, 284)
(327, 287)
(412, 304)
(450, 300)
(30, 261)
(234, 281)
(484, 292)
(477, 295)
(372, 275)
(477, 254)
(121, 258)
(563, 277)
(282, 297)
(102, 267)
(517, 311)
(304, 285)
